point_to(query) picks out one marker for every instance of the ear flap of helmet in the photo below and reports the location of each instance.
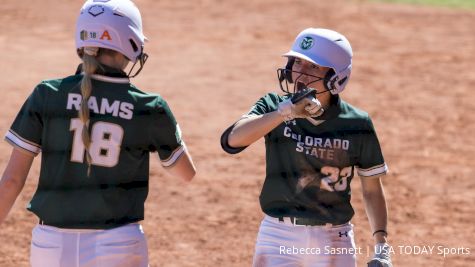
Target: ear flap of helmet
(142, 58)
(334, 82)
(328, 80)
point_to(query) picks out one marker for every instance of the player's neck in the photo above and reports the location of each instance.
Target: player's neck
(113, 62)
(325, 99)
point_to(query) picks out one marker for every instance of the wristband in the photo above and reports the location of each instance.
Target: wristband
(381, 231)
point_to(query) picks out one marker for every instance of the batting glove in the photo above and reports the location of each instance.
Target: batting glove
(300, 107)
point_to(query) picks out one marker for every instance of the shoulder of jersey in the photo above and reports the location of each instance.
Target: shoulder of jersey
(273, 97)
(151, 100)
(353, 112)
(135, 91)
(55, 84)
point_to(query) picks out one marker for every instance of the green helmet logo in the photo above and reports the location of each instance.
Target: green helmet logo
(306, 43)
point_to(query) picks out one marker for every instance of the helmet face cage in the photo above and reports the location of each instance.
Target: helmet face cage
(141, 59)
(289, 86)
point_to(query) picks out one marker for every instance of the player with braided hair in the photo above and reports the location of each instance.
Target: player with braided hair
(95, 131)
(315, 142)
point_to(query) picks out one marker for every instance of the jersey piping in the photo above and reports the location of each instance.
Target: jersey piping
(16, 140)
(174, 156)
(110, 79)
(373, 171)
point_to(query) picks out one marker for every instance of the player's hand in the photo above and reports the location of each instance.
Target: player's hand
(301, 106)
(381, 256)
(307, 107)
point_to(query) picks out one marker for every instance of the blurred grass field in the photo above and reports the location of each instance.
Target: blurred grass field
(465, 4)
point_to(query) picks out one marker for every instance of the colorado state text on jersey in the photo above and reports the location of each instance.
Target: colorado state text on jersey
(319, 147)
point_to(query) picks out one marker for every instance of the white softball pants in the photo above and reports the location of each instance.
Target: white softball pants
(123, 246)
(282, 244)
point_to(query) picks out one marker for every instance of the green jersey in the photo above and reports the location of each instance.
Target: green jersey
(310, 166)
(125, 125)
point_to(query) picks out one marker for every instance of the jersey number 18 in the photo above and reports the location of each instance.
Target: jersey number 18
(106, 139)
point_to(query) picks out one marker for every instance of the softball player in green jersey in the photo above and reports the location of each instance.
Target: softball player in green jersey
(314, 145)
(95, 131)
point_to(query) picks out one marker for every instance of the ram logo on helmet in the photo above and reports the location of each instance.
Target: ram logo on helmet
(306, 43)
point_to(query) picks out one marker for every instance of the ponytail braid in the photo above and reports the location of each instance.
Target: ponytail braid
(89, 67)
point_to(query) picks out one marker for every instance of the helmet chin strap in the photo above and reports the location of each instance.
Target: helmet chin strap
(142, 58)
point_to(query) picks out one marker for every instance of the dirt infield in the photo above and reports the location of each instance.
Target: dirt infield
(211, 60)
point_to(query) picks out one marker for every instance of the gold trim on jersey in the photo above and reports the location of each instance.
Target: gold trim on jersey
(381, 169)
(174, 156)
(15, 139)
(109, 79)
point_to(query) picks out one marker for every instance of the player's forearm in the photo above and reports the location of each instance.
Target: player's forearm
(375, 205)
(183, 168)
(13, 180)
(9, 191)
(249, 130)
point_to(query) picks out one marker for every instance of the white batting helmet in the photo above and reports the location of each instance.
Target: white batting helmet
(112, 24)
(325, 48)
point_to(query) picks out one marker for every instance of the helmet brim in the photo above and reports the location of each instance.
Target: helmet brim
(322, 63)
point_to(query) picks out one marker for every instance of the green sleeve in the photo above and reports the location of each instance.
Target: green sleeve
(27, 128)
(265, 104)
(371, 160)
(166, 134)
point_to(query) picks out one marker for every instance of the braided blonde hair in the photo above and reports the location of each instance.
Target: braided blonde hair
(89, 67)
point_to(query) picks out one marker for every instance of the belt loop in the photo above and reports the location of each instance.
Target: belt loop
(328, 226)
(281, 219)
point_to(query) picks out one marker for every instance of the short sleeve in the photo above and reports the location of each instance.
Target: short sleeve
(371, 160)
(27, 128)
(265, 104)
(165, 134)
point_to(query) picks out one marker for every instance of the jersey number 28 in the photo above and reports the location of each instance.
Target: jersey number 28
(106, 139)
